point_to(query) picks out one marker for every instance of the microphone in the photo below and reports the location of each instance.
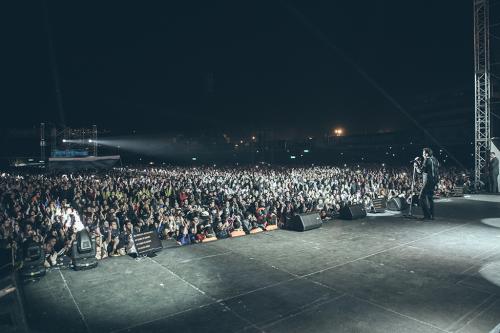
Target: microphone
(414, 160)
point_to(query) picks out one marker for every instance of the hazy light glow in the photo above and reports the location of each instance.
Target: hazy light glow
(153, 145)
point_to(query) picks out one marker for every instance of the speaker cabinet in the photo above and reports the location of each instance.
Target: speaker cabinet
(397, 204)
(379, 205)
(304, 222)
(353, 212)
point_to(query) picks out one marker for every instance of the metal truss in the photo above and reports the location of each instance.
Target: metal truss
(482, 89)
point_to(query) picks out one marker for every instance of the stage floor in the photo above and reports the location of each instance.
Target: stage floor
(379, 274)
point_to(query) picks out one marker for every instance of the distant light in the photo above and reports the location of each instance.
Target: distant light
(362, 158)
(383, 164)
(241, 141)
(253, 137)
(163, 163)
(345, 165)
(393, 155)
(341, 153)
(301, 155)
(90, 140)
(257, 151)
(194, 158)
(151, 163)
(306, 150)
(292, 157)
(30, 159)
(64, 140)
(310, 138)
(236, 145)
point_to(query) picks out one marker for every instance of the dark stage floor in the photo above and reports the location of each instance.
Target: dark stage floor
(380, 274)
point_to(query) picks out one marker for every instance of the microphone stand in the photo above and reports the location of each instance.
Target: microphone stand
(410, 212)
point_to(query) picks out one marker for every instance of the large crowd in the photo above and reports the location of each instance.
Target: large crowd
(188, 205)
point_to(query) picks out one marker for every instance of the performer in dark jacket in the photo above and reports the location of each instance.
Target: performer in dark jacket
(493, 173)
(429, 170)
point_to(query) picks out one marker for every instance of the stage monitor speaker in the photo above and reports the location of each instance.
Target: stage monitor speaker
(353, 212)
(379, 205)
(397, 204)
(305, 222)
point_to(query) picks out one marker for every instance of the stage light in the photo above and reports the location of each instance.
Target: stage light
(83, 251)
(64, 140)
(292, 157)
(253, 137)
(338, 131)
(33, 258)
(306, 150)
(90, 140)
(194, 158)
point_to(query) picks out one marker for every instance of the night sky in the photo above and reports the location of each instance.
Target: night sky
(231, 65)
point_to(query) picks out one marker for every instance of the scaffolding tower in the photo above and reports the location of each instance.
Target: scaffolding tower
(482, 89)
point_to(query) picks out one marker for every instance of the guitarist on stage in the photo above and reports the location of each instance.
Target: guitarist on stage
(428, 167)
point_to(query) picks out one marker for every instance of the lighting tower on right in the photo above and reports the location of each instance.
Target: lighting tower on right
(482, 88)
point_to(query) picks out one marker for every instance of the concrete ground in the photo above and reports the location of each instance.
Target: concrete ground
(378, 274)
